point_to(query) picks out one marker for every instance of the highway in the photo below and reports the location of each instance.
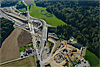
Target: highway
(16, 21)
(15, 9)
(33, 33)
(5, 16)
(43, 39)
(44, 33)
(21, 17)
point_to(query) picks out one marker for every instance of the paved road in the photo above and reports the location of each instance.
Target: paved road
(16, 21)
(52, 49)
(33, 54)
(10, 61)
(43, 40)
(32, 32)
(5, 16)
(20, 25)
(44, 34)
(28, 12)
(44, 37)
(24, 3)
(44, 29)
(21, 17)
(15, 9)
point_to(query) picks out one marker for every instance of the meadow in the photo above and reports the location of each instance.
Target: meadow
(40, 12)
(92, 58)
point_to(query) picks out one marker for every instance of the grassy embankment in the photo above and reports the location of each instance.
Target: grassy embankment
(40, 12)
(92, 58)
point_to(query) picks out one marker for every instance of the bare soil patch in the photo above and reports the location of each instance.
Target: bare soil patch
(24, 38)
(29, 2)
(10, 47)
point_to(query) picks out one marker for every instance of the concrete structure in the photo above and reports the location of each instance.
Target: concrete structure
(9, 11)
(21, 54)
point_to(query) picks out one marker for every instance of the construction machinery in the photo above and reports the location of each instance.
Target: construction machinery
(64, 63)
(65, 57)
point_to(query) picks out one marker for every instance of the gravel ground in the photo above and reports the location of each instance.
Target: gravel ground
(29, 2)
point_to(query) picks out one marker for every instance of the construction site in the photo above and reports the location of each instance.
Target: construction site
(68, 55)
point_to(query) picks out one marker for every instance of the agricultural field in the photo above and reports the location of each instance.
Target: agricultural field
(92, 58)
(40, 12)
(26, 62)
(9, 49)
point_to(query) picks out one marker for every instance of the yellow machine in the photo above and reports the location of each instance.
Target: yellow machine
(65, 56)
(64, 63)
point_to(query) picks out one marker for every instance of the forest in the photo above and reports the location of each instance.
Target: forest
(7, 3)
(82, 18)
(6, 25)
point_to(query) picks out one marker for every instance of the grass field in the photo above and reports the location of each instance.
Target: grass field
(27, 62)
(98, 64)
(47, 14)
(92, 58)
(22, 10)
(40, 12)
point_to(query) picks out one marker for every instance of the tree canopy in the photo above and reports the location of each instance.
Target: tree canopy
(82, 18)
(5, 27)
(7, 3)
